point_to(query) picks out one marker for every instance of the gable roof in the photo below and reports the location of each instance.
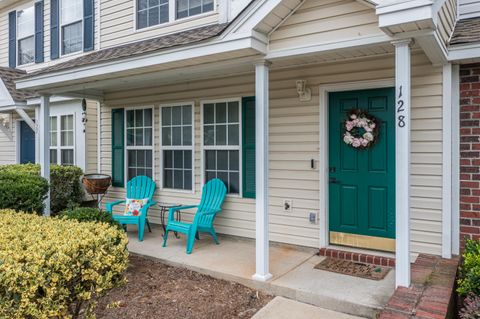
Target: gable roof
(8, 77)
(137, 48)
(466, 31)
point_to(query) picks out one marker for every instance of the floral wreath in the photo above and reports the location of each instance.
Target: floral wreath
(361, 129)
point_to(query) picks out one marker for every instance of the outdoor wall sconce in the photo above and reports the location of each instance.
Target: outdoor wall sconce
(304, 93)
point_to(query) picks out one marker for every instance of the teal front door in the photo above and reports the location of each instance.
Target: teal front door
(362, 181)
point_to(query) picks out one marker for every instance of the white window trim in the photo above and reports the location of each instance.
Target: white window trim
(17, 46)
(204, 148)
(170, 147)
(171, 16)
(127, 148)
(59, 146)
(61, 31)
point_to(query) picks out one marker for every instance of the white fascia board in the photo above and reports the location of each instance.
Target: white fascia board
(251, 17)
(464, 52)
(325, 47)
(53, 99)
(407, 15)
(143, 61)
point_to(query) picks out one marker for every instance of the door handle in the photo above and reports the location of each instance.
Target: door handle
(333, 180)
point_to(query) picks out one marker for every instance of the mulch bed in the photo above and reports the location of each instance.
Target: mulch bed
(353, 268)
(155, 290)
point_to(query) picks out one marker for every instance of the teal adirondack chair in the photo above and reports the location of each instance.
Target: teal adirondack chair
(213, 195)
(139, 187)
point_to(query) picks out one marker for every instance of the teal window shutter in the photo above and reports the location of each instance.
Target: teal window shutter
(248, 146)
(118, 148)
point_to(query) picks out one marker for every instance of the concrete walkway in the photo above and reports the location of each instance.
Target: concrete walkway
(282, 308)
(292, 267)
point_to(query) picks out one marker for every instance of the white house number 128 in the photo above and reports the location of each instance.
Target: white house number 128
(400, 109)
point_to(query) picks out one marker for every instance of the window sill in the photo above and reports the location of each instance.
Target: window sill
(177, 191)
(175, 22)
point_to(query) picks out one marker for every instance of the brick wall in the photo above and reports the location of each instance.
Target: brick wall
(469, 152)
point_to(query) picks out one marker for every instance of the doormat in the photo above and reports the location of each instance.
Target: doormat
(352, 268)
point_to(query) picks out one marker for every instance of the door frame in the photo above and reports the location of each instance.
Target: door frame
(323, 162)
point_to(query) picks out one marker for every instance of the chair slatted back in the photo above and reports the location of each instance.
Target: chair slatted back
(140, 187)
(213, 196)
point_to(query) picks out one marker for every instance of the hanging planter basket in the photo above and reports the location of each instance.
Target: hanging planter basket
(96, 184)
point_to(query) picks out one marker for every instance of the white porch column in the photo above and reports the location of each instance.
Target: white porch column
(44, 134)
(402, 161)
(261, 172)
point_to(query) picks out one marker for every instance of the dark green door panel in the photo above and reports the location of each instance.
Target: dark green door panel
(362, 182)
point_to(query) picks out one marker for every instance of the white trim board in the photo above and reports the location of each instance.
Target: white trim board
(323, 147)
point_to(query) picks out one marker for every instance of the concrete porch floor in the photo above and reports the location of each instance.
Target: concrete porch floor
(292, 268)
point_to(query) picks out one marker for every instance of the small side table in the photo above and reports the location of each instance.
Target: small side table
(164, 208)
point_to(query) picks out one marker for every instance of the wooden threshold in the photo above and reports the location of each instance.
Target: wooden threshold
(362, 241)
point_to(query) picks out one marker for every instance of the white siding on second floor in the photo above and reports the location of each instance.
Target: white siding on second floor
(468, 9)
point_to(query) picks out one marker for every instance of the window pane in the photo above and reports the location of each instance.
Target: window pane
(187, 135)
(208, 135)
(224, 177)
(26, 51)
(233, 135)
(141, 158)
(209, 114)
(234, 186)
(66, 138)
(222, 160)
(130, 118)
(25, 22)
(164, 13)
(233, 161)
(168, 159)
(166, 136)
(210, 163)
(138, 118)
(132, 158)
(187, 8)
(178, 179)
(207, 5)
(187, 179)
(178, 159)
(72, 38)
(176, 136)
(211, 175)
(221, 113)
(148, 136)
(182, 9)
(53, 131)
(166, 116)
(53, 156)
(71, 11)
(168, 179)
(151, 12)
(153, 3)
(221, 135)
(147, 113)
(233, 112)
(67, 122)
(138, 136)
(130, 136)
(142, 19)
(187, 159)
(67, 157)
(154, 16)
(187, 115)
(142, 4)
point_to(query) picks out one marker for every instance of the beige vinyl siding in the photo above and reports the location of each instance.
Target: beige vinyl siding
(35, 66)
(447, 17)
(469, 9)
(118, 23)
(294, 141)
(7, 146)
(91, 141)
(323, 21)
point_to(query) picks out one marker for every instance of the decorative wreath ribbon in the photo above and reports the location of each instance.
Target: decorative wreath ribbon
(361, 129)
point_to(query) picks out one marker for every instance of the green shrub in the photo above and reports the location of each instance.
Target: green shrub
(65, 188)
(87, 214)
(57, 268)
(22, 191)
(469, 282)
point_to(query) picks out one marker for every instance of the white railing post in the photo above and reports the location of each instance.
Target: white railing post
(262, 272)
(402, 160)
(44, 133)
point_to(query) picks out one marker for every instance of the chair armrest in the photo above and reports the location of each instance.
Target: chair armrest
(109, 206)
(147, 206)
(172, 210)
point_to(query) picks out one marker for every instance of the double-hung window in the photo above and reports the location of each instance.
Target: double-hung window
(62, 140)
(221, 142)
(177, 146)
(139, 142)
(71, 19)
(26, 36)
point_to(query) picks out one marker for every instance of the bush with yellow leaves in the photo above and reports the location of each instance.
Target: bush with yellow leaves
(57, 268)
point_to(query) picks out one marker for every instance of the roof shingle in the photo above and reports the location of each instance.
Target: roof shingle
(466, 31)
(8, 77)
(137, 48)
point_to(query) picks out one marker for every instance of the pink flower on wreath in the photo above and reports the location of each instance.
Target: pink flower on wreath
(356, 142)
(349, 126)
(364, 142)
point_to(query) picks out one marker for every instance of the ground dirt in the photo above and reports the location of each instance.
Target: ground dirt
(155, 290)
